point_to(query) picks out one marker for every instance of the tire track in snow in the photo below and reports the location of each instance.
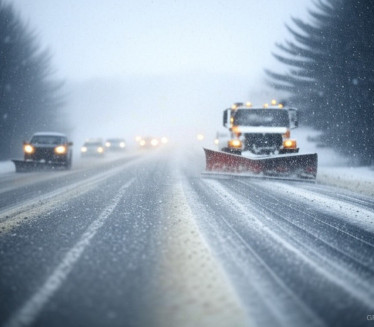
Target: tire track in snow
(243, 208)
(308, 239)
(361, 217)
(360, 200)
(314, 226)
(266, 296)
(328, 218)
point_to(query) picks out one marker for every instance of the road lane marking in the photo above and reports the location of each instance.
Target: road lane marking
(194, 288)
(28, 313)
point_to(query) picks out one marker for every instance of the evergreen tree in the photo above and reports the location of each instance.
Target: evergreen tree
(30, 99)
(331, 74)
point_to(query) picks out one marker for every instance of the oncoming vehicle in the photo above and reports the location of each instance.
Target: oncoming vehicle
(46, 149)
(262, 131)
(115, 144)
(260, 143)
(149, 143)
(93, 148)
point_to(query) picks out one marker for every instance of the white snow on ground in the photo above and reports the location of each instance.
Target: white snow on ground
(334, 169)
(363, 218)
(357, 215)
(359, 179)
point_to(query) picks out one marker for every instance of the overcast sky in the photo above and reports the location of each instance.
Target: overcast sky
(222, 46)
(115, 37)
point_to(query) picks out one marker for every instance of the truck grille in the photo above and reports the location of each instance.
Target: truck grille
(43, 153)
(263, 142)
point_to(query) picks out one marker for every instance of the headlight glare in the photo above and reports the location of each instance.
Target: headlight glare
(61, 149)
(235, 144)
(154, 142)
(289, 144)
(28, 148)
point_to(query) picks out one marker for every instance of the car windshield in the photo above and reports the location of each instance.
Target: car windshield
(116, 141)
(93, 144)
(47, 139)
(262, 117)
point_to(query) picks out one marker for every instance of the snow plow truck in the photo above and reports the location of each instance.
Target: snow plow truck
(260, 144)
(45, 150)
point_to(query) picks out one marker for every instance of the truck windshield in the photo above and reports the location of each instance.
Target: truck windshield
(47, 139)
(261, 117)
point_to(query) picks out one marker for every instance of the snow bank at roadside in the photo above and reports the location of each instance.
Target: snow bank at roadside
(359, 179)
(333, 169)
(7, 167)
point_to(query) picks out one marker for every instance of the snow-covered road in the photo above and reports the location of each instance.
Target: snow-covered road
(145, 240)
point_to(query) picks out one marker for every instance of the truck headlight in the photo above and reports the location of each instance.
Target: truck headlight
(235, 144)
(289, 144)
(83, 149)
(122, 144)
(28, 149)
(61, 149)
(100, 149)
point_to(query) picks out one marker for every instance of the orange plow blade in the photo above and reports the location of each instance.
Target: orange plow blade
(292, 165)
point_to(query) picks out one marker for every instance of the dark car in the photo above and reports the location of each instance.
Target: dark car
(51, 148)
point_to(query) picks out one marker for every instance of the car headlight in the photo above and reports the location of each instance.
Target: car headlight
(28, 149)
(61, 149)
(122, 144)
(83, 149)
(154, 142)
(108, 144)
(100, 149)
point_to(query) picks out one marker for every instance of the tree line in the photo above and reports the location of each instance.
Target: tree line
(31, 98)
(329, 74)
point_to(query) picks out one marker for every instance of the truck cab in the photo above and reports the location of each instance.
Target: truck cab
(261, 131)
(48, 148)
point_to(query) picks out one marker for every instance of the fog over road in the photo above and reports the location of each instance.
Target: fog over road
(144, 240)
